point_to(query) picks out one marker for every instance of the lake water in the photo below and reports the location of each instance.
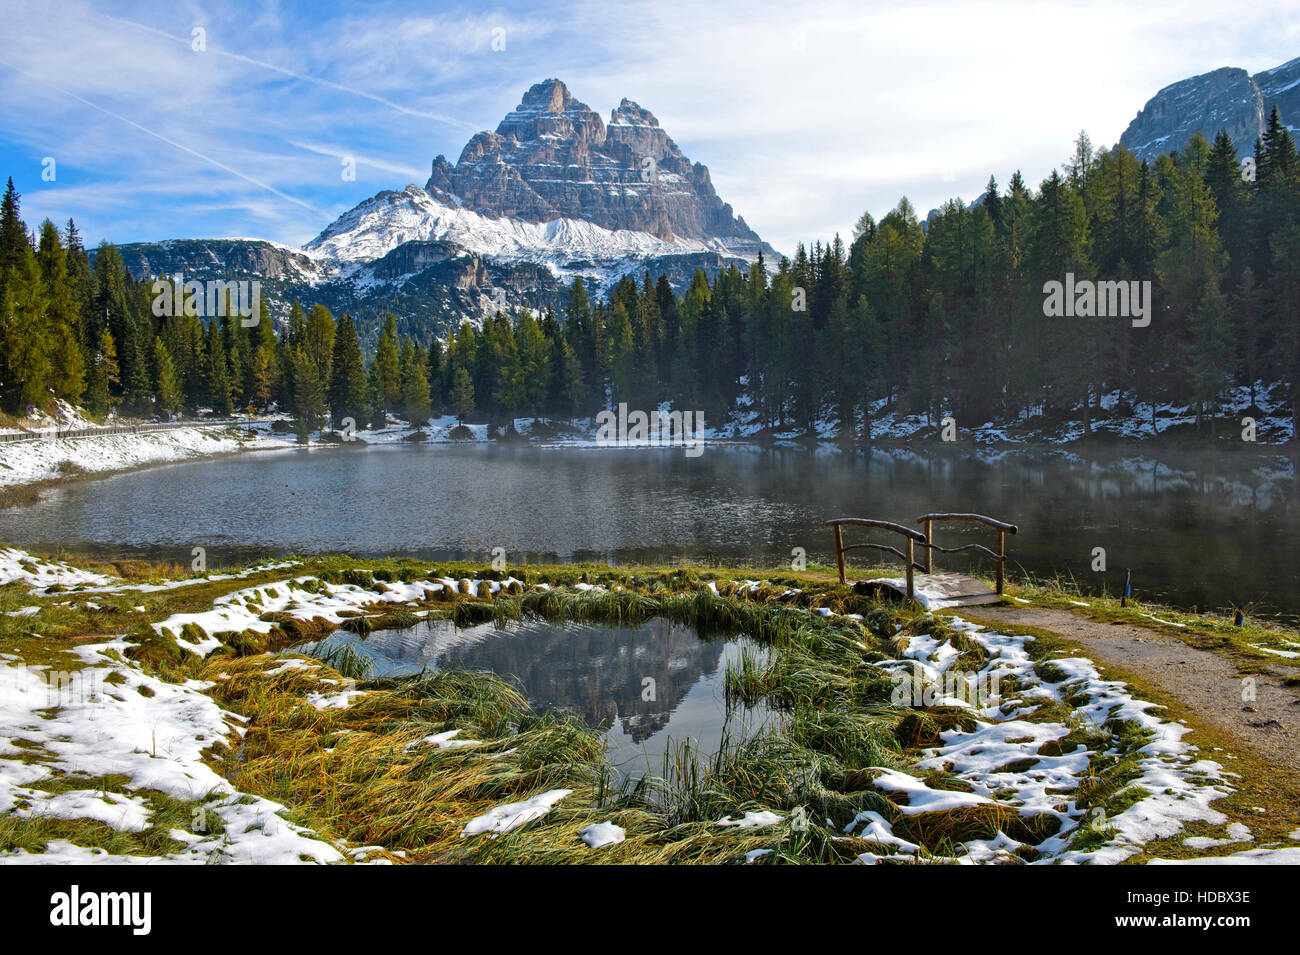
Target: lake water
(1206, 529)
(646, 686)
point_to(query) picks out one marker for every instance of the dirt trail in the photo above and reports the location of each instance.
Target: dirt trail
(1207, 683)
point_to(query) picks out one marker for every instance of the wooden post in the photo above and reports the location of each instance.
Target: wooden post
(1002, 558)
(929, 554)
(839, 552)
(911, 549)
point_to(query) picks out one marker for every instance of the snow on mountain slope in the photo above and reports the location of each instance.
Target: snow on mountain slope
(380, 224)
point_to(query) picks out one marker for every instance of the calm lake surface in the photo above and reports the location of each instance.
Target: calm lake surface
(1207, 529)
(647, 686)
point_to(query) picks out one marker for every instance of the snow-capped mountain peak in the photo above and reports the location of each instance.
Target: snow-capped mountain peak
(390, 219)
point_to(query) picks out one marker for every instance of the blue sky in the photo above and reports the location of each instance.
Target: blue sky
(805, 113)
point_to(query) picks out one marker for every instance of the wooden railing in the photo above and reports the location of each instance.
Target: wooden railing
(925, 540)
(999, 556)
(57, 434)
(911, 536)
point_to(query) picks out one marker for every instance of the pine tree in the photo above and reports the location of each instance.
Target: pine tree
(67, 367)
(318, 340)
(535, 364)
(81, 286)
(13, 234)
(864, 228)
(191, 348)
(103, 377)
(1081, 168)
(347, 387)
(264, 372)
(1278, 164)
(375, 410)
(24, 336)
(567, 388)
(1210, 351)
(218, 374)
(309, 393)
(388, 365)
(167, 388)
(462, 395)
(415, 389)
(1194, 261)
(263, 378)
(434, 371)
(1246, 312)
(113, 308)
(235, 345)
(993, 203)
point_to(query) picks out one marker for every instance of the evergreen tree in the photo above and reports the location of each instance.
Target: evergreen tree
(1246, 309)
(415, 389)
(318, 340)
(103, 377)
(309, 393)
(347, 387)
(218, 373)
(24, 336)
(1209, 353)
(462, 395)
(387, 364)
(167, 387)
(13, 234)
(434, 371)
(67, 378)
(567, 388)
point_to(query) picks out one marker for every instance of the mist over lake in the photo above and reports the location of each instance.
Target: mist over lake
(1203, 529)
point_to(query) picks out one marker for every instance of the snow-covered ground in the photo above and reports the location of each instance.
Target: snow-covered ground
(1178, 786)
(1273, 424)
(65, 416)
(114, 720)
(49, 457)
(25, 462)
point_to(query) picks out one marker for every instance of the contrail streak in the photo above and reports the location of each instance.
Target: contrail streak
(170, 142)
(306, 78)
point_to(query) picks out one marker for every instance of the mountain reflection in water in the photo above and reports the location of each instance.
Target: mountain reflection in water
(599, 673)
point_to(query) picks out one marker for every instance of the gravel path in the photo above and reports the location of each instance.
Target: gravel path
(1207, 683)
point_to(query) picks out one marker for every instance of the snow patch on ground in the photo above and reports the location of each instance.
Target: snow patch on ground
(513, 815)
(39, 573)
(242, 610)
(25, 462)
(601, 834)
(752, 820)
(150, 731)
(999, 758)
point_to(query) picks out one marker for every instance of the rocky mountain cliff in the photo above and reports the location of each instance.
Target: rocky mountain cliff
(1227, 98)
(553, 158)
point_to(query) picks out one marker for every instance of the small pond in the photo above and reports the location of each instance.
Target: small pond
(601, 673)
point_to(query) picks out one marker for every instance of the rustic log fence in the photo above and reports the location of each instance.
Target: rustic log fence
(1002, 528)
(925, 540)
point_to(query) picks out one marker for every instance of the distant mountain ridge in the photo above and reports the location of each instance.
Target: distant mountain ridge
(552, 194)
(1228, 98)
